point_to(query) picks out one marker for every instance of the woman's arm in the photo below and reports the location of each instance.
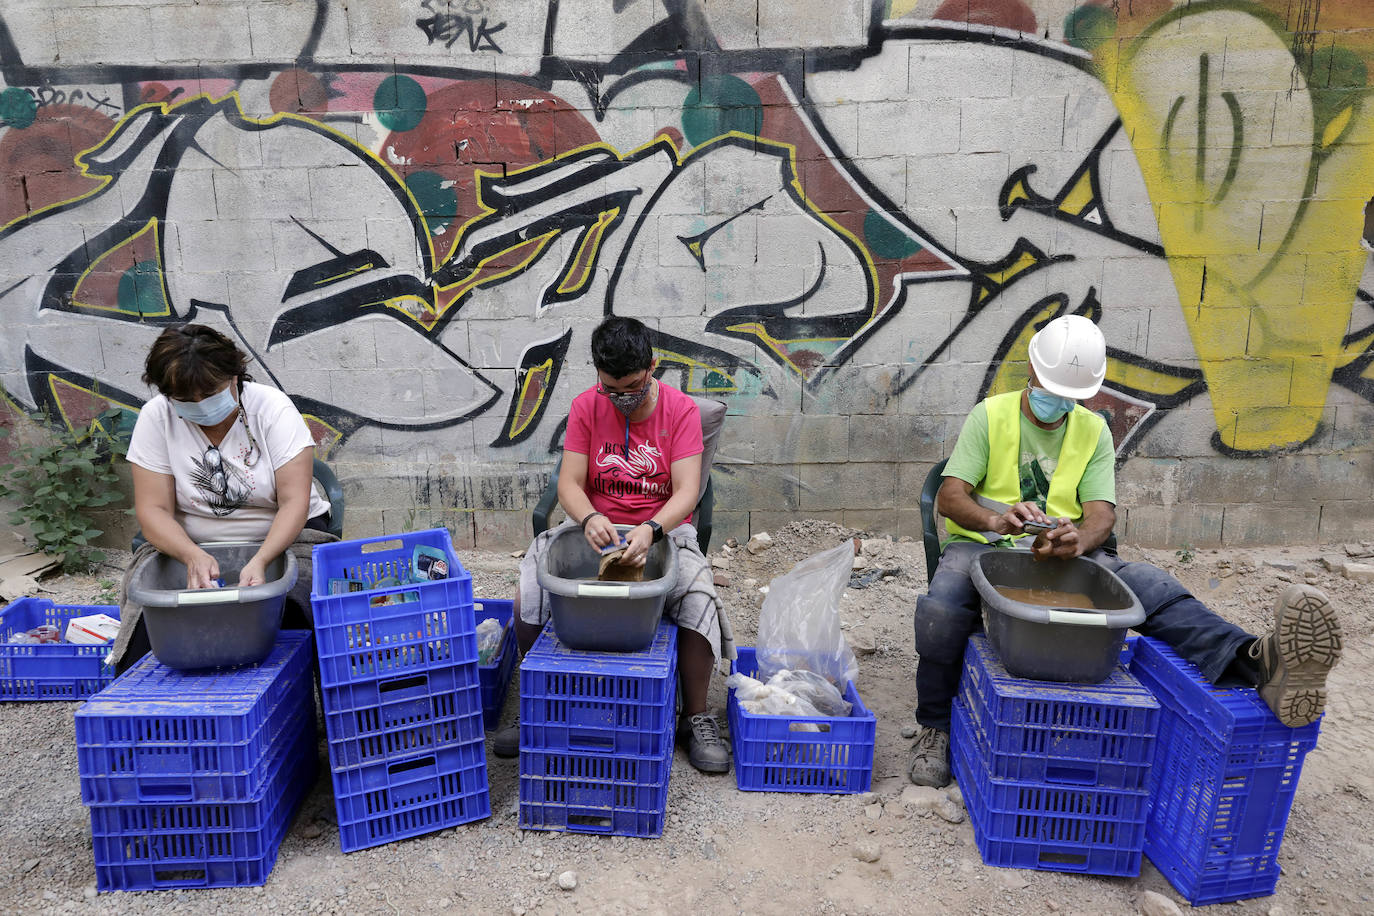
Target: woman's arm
(293, 502)
(686, 475)
(155, 499)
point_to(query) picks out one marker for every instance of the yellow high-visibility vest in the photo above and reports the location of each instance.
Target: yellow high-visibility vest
(1002, 483)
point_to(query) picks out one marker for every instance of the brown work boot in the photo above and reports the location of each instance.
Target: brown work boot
(930, 766)
(505, 742)
(1295, 658)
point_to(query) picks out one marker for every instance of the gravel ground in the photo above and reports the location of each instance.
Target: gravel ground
(723, 850)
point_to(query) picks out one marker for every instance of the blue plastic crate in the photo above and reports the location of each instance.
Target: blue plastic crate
(1051, 732)
(495, 675)
(157, 734)
(1225, 774)
(140, 847)
(608, 702)
(394, 800)
(402, 717)
(1044, 827)
(57, 671)
(826, 754)
(361, 640)
(578, 792)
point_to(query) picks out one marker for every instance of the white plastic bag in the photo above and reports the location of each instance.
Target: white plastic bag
(799, 624)
(489, 635)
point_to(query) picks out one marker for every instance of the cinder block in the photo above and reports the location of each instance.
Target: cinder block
(1322, 478)
(1346, 520)
(946, 70)
(1037, 123)
(821, 439)
(1149, 481)
(110, 35)
(904, 127)
(911, 479)
(1161, 526)
(1272, 523)
(1230, 479)
(909, 526)
(279, 31)
(761, 520)
(896, 437)
(813, 24)
(728, 523)
(498, 530)
(758, 487)
(363, 522)
(517, 492)
(874, 521)
(848, 486)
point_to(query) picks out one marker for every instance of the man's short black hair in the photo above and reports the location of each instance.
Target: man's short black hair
(622, 346)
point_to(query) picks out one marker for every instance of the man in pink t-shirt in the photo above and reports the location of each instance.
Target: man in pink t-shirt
(632, 456)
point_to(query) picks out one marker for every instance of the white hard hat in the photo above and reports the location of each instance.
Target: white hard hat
(1069, 356)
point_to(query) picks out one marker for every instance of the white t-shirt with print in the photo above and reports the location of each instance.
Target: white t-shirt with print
(228, 493)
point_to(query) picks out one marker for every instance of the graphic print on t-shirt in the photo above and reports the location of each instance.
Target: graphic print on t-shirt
(1035, 472)
(640, 471)
(218, 483)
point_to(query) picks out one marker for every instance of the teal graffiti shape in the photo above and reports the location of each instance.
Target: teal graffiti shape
(400, 103)
(886, 240)
(439, 204)
(721, 104)
(140, 290)
(17, 108)
(1089, 26)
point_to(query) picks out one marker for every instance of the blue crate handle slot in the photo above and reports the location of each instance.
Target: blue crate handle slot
(808, 725)
(1070, 776)
(404, 683)
(590, 741)
(166, 792)
(419, 763)
(589, 823)
(181, 877)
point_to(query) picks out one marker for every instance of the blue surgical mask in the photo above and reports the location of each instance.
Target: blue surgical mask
(1049, 407)
(208, 412)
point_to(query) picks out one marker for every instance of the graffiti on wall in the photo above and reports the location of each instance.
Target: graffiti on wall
(418, 251)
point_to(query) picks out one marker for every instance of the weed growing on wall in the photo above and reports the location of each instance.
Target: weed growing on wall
(57, 482)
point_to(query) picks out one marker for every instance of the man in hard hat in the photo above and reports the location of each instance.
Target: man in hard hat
(1036, 455)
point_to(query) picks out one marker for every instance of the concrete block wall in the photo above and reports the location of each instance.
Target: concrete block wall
(842, 218)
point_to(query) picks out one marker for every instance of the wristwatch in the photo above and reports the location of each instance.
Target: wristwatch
(656, 528)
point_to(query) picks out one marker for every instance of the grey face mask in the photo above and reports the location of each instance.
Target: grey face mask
(628, 402)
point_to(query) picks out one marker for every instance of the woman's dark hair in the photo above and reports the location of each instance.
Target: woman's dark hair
(189, 362)
(621, 346)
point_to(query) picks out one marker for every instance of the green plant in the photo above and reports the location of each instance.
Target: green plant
(109, 592)
(1185, 554)
(57, 480)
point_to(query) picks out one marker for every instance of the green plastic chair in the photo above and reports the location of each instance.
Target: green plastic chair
(929, 534)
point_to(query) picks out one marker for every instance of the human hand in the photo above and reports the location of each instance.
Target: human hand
(201, 570)
(254, 572)
(1014, 519)
(639, 538)
(1062, 541)
(600, 532)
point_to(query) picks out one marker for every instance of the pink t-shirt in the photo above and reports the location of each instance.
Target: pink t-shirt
(630, 483)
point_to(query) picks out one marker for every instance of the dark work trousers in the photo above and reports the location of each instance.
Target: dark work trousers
(951, 612)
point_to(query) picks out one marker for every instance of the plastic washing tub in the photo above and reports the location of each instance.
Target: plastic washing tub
(211, 627)
(1055, 643)
(603, 616)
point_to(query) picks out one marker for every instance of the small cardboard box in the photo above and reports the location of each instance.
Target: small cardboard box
(92, 630)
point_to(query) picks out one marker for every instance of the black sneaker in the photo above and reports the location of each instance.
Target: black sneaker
(1294, 659)
(930, 765)
(706, 749)
(505, 742)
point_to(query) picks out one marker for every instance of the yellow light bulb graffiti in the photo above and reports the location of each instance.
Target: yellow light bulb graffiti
(1265, 263)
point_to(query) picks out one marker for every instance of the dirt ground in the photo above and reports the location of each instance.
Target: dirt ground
(723, 850)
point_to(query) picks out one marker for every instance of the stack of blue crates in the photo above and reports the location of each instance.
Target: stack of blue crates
(50, 671)
(1222, 784)
(400, 685)
(192, 778)
(1055, 776)
(596, 736)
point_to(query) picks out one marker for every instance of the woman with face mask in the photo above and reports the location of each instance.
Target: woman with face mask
(217, 457)
(632, 457)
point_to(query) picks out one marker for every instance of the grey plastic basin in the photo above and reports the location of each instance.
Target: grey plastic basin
(212, 627)
(603, 616)
(1048, 643)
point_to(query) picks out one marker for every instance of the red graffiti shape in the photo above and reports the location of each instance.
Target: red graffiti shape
(462, 131)
(38, 163)
(1008, 14)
